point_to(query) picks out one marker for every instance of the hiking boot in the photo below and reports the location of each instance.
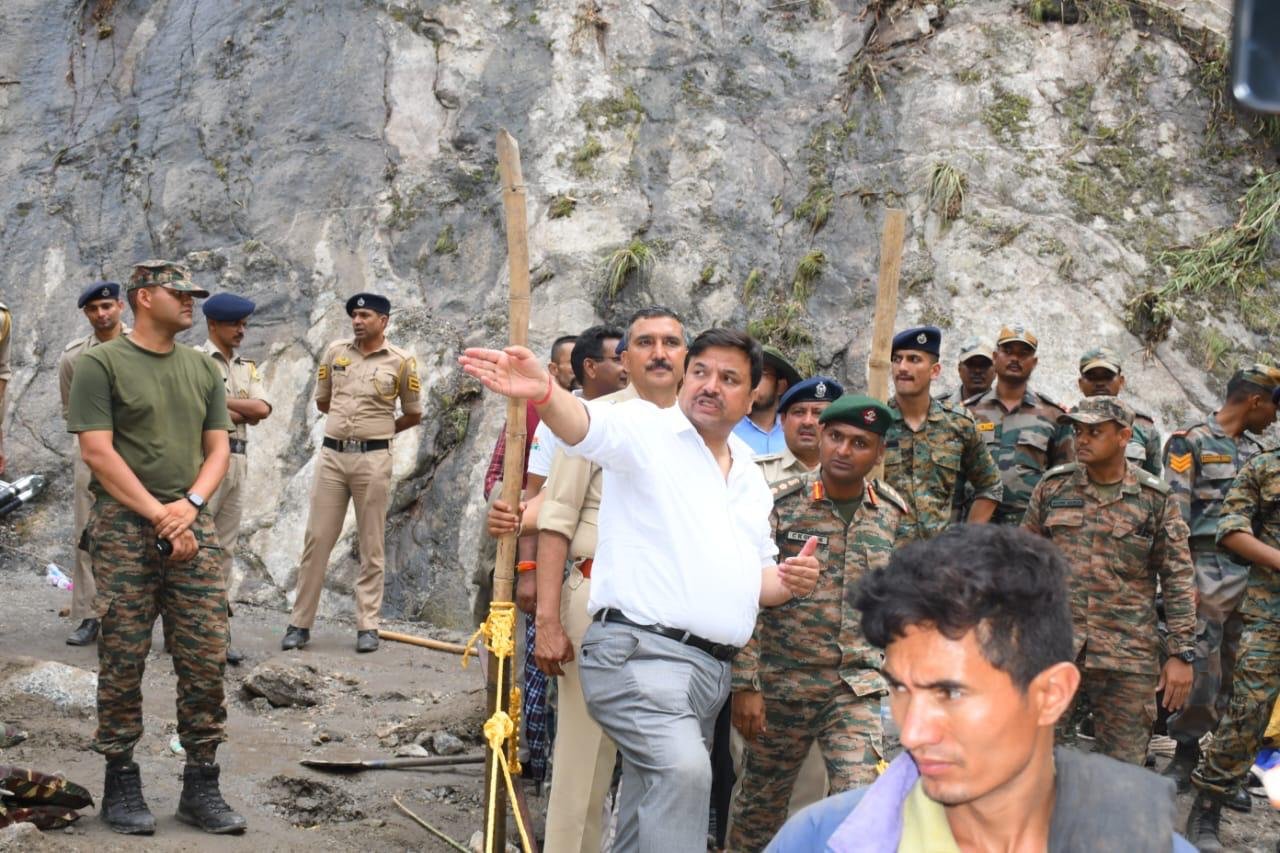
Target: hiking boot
(366, 641)
(1203, 824)
(85, 634)
(1239, 800)
(295, 638)
(123, 808)
(1184, 761)
(235, 657)
(201, 803)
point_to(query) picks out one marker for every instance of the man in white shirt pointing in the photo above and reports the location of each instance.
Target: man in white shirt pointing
(684, 560)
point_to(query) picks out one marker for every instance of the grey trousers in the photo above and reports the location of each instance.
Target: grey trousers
(658, 700)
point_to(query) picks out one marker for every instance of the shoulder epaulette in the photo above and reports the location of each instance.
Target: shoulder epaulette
(955, 409)
(783, 488)
(1064, 468)
(77, 342)
(881, 489)
(1151, 481)
(1050, 401)
(766, 457)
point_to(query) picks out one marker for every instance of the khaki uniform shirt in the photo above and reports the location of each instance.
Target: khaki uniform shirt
(241, 379)
(571, 505)
(362, 389)
(781, 466)
(67, 365)
(6, 332)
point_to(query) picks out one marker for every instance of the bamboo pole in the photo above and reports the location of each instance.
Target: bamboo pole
(891, 238)
(425, 642)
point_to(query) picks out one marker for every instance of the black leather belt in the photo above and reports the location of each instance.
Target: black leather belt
(719, 651)
(355, 445)
(239, 445)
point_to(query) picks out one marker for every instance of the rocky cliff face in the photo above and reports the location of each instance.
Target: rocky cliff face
(731, 159)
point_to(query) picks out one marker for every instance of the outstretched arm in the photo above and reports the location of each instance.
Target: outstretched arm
(516, 373)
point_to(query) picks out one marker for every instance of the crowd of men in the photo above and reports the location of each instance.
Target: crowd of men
(1157, 546)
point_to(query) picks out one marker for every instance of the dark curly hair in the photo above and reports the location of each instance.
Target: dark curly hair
(1004, 583)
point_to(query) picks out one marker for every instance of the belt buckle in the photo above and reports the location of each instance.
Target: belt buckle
(350, 445)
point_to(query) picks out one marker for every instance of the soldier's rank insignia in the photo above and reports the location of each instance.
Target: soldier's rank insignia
(322, 372)
(987, 427)
(1180, 462)
(1215, 459)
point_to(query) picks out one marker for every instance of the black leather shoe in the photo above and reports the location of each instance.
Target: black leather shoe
(235, 657)
(295, 638)
(366, 641)
(201, 803)
(123, 808)
(85, 634)
(1239, 800)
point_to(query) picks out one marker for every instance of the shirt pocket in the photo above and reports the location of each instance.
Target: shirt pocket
(1031, 449)
(1065, 525)
(1132, 543)
(385, 382)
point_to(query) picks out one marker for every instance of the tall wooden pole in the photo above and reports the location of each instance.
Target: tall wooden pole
(513, 203)
(891, 238)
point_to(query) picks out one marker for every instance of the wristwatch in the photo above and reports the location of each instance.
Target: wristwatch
(1186, 657)
(195, 500)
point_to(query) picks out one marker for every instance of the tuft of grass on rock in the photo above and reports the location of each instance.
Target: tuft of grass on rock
(808, 271)
(584, 158)
(634, 260)
(945, 192)
(561, 206)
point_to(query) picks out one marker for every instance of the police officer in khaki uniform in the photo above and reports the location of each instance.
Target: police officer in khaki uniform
(226, 316)
(6, 332)
(798, 412)
(102, 306)
(357, 384)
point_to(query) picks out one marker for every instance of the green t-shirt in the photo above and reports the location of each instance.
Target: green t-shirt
(157, 407)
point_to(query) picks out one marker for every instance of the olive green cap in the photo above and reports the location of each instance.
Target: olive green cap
(861, 411)
(1100, 357)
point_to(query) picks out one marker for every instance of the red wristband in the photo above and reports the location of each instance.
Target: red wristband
(547, 398)
(526, 566)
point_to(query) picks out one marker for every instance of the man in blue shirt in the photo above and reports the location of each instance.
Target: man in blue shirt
(976, 628)
(761, 429)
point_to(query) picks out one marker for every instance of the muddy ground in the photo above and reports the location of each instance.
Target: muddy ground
(369, 706)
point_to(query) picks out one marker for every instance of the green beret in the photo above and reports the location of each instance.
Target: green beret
(861, 411)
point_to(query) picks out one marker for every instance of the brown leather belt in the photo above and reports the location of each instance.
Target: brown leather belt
(239, 445)
(356, 445)
(584, 568)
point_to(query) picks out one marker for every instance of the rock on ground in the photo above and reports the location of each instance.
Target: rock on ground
(285, 684)
(70, 689)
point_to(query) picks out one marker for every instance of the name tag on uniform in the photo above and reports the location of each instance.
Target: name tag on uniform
(1214, 459)
(989, 426)
(1066, 503)
(801, 536)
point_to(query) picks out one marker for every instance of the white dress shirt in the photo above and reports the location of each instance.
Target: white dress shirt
(679, 544)
(542, 450)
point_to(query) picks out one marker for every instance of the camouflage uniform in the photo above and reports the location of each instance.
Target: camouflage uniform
(1024, 443)
(1143, 449)
(929, 466)
(1201, 461)
(831, 694)
(1117, 547)
(1253, 506)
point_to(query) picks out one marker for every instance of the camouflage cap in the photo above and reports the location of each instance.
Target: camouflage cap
(976, 345)
(1011, 334)
(170, 274)
(1262, 375)
(1098, 410)
(1100, 357)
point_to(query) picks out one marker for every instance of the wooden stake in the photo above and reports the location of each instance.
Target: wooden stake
(895, 227)
(425, 642)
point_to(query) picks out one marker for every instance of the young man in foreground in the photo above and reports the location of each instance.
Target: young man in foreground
(976, 628)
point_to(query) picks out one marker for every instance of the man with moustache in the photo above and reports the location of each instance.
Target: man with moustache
(1018, 425)
(1120, 531)
(102, 307)
(932, 448)
(152, 421)
(226, 317)
(358, 382)
(976, 628)
(684, 520)
(1100, 376)
(798, 412)
(974, 368)
(761, 429)
(808, 674)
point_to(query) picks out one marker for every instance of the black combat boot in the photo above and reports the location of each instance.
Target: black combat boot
(85, 634)
(1184, 761)
(1203, 824)
(1239, 800)
(123, 808)
(201, 803)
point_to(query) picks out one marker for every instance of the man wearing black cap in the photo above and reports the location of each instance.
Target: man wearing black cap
(798, 412)
(357, 384)
(226, 316)
(932, 450)
(102, 306)
(761, 429)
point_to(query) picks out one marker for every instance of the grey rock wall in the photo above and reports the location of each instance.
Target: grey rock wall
(296, 152)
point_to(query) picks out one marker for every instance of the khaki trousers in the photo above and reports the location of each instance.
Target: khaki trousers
(362, 478)
(226, 506)
(583, 759)
(83, 586)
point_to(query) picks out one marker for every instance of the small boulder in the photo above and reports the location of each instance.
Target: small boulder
(71, 690)
(444, 743)
(284, 685)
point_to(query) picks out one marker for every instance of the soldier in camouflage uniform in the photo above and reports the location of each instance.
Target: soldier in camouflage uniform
(1100, 376)
(1201, 461)
(1249, 526)
(974, 368)
(1019, 425)
(798, 411)
(932, 450)
(808, 674)
(1120, 530)
(152, 421)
